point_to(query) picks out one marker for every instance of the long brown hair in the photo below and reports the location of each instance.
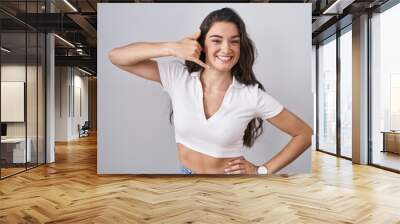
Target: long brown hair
(243, 70)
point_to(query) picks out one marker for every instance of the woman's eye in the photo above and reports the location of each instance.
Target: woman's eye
(219, 41)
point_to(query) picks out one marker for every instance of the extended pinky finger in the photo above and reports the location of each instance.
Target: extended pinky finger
(199, 62)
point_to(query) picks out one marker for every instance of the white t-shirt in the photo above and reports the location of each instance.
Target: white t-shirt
(221, 135)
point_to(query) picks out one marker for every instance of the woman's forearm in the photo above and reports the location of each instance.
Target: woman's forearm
(297, 145)
(187, 49)
(137, 52)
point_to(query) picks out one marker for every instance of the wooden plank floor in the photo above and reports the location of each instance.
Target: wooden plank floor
(70, 191)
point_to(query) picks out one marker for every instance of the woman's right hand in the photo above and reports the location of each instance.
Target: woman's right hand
(189, 49)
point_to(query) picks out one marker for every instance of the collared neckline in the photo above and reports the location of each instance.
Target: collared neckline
(236, 83)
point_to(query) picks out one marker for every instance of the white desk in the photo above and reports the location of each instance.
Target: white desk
(18, 150)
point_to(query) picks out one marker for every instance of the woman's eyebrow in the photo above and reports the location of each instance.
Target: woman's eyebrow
(218, 36)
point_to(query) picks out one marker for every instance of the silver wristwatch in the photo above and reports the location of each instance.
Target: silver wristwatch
(262, 170)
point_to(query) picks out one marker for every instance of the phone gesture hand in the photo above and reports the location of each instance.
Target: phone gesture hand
(189, 49)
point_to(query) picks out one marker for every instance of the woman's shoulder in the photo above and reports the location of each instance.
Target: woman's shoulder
(252, 89)
(177, 66)
(247, 93)
(255, 92)
(173, 69)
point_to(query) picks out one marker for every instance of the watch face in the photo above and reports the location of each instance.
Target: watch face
(262, 170)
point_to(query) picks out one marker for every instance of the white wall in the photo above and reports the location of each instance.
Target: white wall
(67, 81)
(79, 117)
(61, 103)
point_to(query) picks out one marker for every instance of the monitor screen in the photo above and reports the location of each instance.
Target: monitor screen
(3, 129)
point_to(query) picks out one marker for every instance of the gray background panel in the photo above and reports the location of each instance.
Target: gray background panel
(134, 134)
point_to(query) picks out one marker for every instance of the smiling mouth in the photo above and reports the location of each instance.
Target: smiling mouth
(224, 59)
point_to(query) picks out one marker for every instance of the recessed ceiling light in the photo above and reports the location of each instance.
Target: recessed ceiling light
(337, 7)
(5, 49)
(64, 40)
(84, 71)
(70, 5)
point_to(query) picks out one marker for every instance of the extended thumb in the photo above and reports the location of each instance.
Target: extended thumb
(196, 35)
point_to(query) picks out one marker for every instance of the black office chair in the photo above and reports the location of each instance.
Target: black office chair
(84, 130)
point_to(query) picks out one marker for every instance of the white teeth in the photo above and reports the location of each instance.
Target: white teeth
(224, 58)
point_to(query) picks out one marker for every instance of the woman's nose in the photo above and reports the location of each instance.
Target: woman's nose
(225, 47)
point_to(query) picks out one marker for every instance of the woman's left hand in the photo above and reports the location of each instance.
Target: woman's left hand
(240, 166)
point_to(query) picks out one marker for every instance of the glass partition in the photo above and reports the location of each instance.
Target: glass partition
(22, 88)
(327, 96)
(32, 95)
(14, 154)
(346, 93)
(385, 89)
(32, 86)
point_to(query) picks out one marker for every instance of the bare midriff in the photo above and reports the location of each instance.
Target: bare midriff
(200, 163)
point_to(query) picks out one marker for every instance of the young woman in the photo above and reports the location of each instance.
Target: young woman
(218, 104)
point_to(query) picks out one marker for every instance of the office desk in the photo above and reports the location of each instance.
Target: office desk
(13, 150)
(391, 141)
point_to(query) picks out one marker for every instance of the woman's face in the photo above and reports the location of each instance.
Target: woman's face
(222, 46)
